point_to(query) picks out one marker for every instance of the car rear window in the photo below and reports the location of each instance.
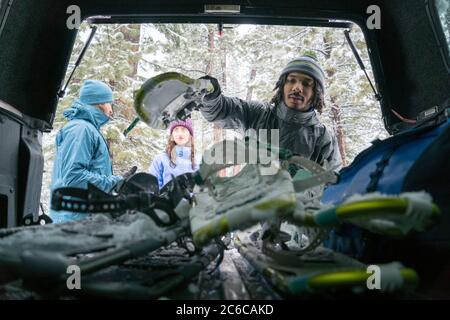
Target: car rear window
(443, 11)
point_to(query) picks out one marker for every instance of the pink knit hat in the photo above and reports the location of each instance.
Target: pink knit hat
(180, 123)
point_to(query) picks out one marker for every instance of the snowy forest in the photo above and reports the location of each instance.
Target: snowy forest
(246, 59)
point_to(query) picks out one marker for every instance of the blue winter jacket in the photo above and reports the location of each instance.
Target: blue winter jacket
(82, 155)
(163, 169)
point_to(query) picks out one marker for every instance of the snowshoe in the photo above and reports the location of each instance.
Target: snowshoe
(168, 97)
(322, 272)
(135, 222)
(383, 214)
(224, 204)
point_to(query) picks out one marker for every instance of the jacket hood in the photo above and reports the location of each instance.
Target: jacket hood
(80, 110)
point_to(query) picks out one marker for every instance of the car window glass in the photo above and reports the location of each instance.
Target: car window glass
(443, 11)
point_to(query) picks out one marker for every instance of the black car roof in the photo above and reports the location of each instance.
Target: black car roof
(408, 60)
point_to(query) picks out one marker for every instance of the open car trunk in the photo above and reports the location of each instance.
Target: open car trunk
(409, 56)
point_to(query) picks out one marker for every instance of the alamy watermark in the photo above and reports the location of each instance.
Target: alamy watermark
(373, 282)
(374, 20)
(74, 19)
(258, 149)
(73, 282)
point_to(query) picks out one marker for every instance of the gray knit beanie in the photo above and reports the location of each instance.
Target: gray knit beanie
(308, 65)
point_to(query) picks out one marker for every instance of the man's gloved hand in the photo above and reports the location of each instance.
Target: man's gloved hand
(216, 85)
(129, 173)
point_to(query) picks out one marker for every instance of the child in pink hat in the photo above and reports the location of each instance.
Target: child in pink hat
(179, 156)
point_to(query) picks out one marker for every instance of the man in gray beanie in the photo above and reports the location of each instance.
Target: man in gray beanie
(292, 110)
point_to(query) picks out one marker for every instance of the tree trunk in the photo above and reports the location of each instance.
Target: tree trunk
(337, 124)
(327, 44)
(132, 35)
(218, 131)
(209, 63)
(335, 109)
(250, 87)
(223, 64)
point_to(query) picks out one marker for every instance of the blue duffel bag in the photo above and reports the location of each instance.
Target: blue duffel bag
(414, 160)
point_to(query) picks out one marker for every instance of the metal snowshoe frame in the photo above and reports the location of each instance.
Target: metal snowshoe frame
(240, 220)
(167, 97)
(155, 286)
(322, 273)
(52, 266)
(49, 266)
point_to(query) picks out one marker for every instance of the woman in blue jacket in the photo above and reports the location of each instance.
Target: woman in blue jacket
(179, 156)
(82, 155)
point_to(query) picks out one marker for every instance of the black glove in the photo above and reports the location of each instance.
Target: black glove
(217, 91)
(129, 173)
